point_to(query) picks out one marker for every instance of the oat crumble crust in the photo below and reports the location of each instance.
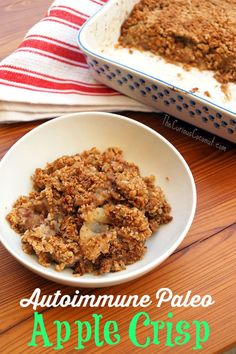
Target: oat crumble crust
(91, 212)
(192, 32)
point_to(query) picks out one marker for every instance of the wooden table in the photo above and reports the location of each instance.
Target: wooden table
(204, 263)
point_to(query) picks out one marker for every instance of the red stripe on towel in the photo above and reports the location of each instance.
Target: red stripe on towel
(54, 48)
(17, 69)
(68, 8)
(68, 16)
(56, 91)
(50, 83)
(96, 2)
(51, 56)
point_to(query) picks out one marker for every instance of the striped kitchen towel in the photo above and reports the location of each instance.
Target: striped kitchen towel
(48, 75)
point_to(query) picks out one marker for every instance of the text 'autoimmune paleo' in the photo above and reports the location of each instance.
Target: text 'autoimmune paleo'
(163, 295)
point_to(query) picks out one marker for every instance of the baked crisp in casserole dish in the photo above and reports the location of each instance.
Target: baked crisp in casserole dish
(191, 94)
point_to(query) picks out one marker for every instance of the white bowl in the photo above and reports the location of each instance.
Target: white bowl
(74, 133)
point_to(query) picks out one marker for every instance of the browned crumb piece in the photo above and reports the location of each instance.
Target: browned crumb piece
(195, 89)
(194, 33)
(207, 93)
(92, 212)
(226, 91)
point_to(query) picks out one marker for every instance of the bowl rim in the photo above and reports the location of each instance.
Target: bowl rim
(119, 277)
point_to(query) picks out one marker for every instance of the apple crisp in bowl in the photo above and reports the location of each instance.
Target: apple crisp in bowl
(91, 212)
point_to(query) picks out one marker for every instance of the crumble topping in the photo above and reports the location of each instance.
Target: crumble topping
(92, 212)
(192, 32)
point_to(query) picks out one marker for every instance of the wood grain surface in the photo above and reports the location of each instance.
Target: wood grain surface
(205, 262)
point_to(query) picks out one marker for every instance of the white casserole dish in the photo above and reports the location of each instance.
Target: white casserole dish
(151, 80)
